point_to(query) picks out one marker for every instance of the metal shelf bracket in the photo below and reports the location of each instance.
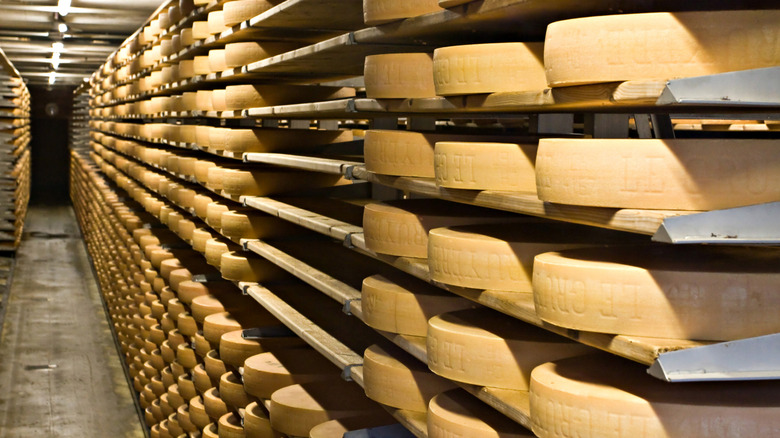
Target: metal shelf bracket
(754, 225)
(747, 87)
(745, 359)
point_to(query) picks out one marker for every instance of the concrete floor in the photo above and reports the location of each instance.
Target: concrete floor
(60, 373)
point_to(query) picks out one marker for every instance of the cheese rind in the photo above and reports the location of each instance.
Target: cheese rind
(456, 413)
(245, 96)
(401, 227)
(658, 174)
(272, 140)
(395, 379)
(659, 46)
(241, 10)
(604, 396)
(267, 372)
(399, 76)
(405, 305)
(384, 11)
(489, 68)
(485, 166)
(483, 347)
(401, 153)
(704, 293)
(247, 52)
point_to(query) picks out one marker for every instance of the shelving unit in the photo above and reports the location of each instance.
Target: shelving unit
(330, 219)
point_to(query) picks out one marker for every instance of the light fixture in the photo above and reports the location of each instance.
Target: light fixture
(62, 27)
(63, 7)
(55, 62)
(57, 46)
(52, 78)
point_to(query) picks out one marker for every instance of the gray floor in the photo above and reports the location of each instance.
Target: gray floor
(60, 374)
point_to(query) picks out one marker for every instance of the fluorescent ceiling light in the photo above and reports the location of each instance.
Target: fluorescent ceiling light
(62, 27)
(63, 7)
(55, 63)
(55, 55)
(57, 46)
(52, 78)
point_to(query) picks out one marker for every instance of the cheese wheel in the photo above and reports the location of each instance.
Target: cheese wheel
(218, 100)
(214, 367)
(338, 427)
(214, 212)
(217, 62)
(404, 305)
(245, 96)
(242, 10)
(486, 166)
(263, 182)
(245, 53)
(267, 372)
(200, 31)
(215, 248)
(257, 424)
(241, 266)
(295, 409)
(186, 356)
(204, 103)
(457, 413)
(486, 348)
(183, 417)
(186, 386)
(399, 76)
(229, 425)
(187, 325)
(402, 153)
(489, 68)
(659, 46)
(234, 349)
(393, 378)
(603, 395)
(501, 257)
(273, 140)
(706, 293)
(216, 22)
(217, 324)
(659, 174)
(383, 11)
(201, 66)
(198, 415)
(202, 380)
(253, 224)
(401, 227)
(453, 3)
(214, 405)
(202, 345)
(189, 290)
(225, 299)
(231, 390)
(210, 431)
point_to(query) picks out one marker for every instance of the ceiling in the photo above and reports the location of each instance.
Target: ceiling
(95, 28)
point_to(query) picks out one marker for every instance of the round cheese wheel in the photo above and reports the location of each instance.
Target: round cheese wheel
(256, 422)
(210, 431)
(189, 290)
(402, 153)
(229, 425)
(186, 356)
(501, 257)
(183, 416)
(253, 224)
(215, 248)
(241, 140)
(204, 103)
(295, 409)
(267, 181)
(245, 96)
(240, 266)
(267, 372)
(217, 324)
(218, 100)
(234, 349)
(214, 367)
(658, 46)
(604, 395)
(214, 213)
(186, 385)
(706, 293)
(486, 348)
(404, 305)
(489, 68)
(245, 53)
(241, 10)
(174, 396)
(202, 345)
(383, 11)
(198, 415)
(213, 404)
(399, 76)
(658, 174)
(401, 227)
(216, 22)
(202, 380)
(231, 390)
(486, 166)
(217, 62)
(393, 378)
(457, 413)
